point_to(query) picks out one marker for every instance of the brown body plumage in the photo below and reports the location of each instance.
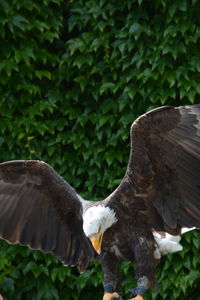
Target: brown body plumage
(160, 191)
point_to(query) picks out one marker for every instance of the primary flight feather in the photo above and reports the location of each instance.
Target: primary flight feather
(159, 193)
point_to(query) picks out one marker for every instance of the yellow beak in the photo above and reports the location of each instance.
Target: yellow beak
(96, 242)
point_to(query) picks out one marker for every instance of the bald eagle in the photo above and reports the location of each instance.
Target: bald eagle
(159, 193)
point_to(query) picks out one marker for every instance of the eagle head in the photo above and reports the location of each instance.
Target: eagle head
(96, 220)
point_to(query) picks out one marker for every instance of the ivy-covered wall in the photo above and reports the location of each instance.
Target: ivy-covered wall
(73, 76)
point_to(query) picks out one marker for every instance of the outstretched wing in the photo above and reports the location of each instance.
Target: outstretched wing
(42, 211)
(164, 165)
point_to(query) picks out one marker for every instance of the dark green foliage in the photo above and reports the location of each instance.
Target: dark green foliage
(73, 76)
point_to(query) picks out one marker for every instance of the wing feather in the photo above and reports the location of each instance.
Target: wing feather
(42, 211)
(164, 165)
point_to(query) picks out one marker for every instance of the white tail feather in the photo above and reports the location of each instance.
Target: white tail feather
(168, 243)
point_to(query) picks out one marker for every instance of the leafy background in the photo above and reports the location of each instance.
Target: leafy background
(73, 76)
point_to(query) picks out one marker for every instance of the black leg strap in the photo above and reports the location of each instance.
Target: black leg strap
(108, 288)
(140, 290)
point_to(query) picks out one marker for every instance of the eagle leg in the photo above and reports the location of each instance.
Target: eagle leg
(137, 298)
(112, 296)
(111, 282)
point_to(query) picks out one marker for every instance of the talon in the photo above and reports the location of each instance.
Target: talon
(137, 298)
(111, 296)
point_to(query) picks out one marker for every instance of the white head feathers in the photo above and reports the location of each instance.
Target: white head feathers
(97, 219)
